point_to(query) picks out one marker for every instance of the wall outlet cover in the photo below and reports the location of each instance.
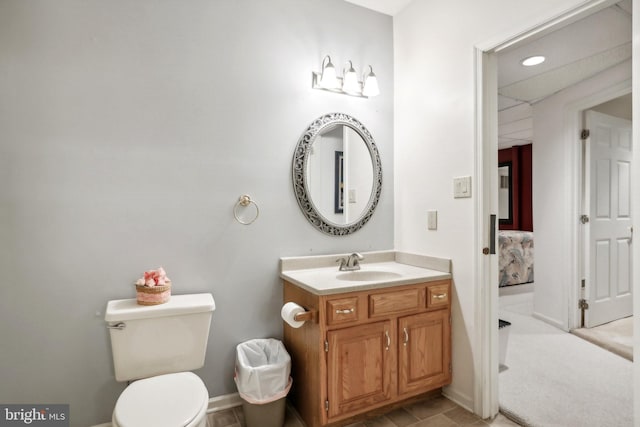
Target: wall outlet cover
(432, 220)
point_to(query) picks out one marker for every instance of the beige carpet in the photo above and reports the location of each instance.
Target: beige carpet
(616, 336)
(555, 379)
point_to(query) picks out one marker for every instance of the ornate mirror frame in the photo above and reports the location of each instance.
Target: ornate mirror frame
(301, 189)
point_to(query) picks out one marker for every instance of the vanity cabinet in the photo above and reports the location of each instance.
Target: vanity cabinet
(368, 349)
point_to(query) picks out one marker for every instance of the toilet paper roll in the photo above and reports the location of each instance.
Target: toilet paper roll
(288, 312)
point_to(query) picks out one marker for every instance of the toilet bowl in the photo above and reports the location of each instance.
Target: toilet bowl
(155, 347)
(172, 400)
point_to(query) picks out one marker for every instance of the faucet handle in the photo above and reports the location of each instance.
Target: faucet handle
(342, 261)
(353, 261)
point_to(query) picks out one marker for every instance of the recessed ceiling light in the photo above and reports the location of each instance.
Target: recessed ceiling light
(533, 60)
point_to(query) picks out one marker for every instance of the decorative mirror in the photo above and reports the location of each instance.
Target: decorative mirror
(337, 174)
(505, 192)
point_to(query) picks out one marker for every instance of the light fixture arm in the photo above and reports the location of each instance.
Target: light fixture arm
(346, 70)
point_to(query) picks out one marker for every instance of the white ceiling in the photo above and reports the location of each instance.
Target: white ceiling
(573, 53)
(388, 7)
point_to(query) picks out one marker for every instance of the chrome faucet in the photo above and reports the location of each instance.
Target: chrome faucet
(350, 263)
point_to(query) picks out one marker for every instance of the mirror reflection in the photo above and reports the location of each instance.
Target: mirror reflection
(340, 174)
(505, 193)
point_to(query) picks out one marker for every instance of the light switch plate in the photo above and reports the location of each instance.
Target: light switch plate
(432, 220)
(462, 187)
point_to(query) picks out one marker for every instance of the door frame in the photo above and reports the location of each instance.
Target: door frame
(486, 203)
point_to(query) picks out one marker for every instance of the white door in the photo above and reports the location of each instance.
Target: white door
(608, 232)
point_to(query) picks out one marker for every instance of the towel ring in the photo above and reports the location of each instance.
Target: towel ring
(244, 201)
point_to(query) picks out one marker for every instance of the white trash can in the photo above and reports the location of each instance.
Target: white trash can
(263, 378)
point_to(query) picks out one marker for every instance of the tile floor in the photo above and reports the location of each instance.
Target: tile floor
(432, 412)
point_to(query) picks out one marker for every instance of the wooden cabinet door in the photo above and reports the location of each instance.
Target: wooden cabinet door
(425, 351)
(359, 367)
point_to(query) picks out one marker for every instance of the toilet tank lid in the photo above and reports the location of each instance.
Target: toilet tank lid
(128, 309)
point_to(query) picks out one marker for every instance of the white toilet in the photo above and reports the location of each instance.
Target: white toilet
(157, 345)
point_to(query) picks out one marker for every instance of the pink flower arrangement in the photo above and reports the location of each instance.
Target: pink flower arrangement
(154, 278)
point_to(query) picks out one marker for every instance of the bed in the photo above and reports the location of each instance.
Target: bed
(516, 257)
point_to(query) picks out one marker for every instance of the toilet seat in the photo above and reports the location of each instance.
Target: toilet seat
(172, 400)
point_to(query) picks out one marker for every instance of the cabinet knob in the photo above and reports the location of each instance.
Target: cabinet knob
(346, 311)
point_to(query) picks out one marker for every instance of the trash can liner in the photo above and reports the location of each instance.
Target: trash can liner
(273, 398)
(263, 369)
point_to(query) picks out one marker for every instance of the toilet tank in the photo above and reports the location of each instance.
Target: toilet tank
(159, 339)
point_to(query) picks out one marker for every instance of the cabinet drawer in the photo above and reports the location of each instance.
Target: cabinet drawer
(438, 296)
(342, 310)
(396, 302)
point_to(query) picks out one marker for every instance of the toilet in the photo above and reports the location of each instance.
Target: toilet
(155, 347)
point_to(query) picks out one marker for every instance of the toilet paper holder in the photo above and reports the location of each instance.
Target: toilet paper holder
(296, 315)
(304, 316)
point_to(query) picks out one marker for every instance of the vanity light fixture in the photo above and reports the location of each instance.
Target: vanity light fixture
(533, 60)
(347, 85)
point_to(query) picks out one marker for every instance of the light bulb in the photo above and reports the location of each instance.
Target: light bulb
(370, 87)
(350, 82)
(328, 79)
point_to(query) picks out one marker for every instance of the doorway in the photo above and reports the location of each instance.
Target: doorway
(568, 244)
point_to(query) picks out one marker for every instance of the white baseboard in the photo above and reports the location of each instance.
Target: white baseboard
(549, 321)
(460, 398)
(225, 401)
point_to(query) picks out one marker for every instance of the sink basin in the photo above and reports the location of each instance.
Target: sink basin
(368, 275)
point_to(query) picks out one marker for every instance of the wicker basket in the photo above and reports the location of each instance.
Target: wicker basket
(153, 295)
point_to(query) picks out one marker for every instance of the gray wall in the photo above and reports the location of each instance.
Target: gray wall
(128, 130)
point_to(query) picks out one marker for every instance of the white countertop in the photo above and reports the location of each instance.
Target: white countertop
(320, 275)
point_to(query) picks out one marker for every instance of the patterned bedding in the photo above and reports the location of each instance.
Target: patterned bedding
(516, 257)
